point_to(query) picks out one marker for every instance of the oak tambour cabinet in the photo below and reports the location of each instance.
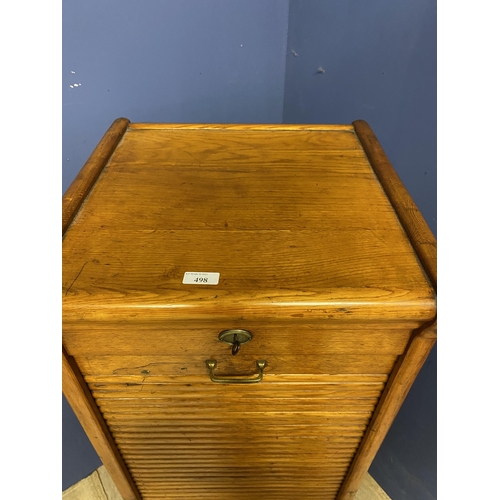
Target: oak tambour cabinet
(245, 307)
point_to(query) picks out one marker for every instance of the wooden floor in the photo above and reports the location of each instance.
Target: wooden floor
(98, 486)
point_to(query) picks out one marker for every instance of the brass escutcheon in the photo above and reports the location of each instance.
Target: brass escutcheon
(242, 336)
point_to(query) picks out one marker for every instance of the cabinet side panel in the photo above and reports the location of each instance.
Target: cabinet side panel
(418, 231)
(80, 399)
(395, 392)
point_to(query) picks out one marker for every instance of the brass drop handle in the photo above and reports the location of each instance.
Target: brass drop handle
(212, 364)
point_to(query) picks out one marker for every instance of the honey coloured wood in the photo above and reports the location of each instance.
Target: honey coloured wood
(319, 252)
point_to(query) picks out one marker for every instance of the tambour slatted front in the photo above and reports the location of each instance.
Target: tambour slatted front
(308, 250)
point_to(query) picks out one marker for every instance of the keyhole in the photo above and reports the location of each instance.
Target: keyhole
(236, 345)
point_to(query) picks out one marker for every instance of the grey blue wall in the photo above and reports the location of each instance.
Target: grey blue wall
(257, 61)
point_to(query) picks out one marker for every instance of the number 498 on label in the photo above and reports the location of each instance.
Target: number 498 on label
(198, 278)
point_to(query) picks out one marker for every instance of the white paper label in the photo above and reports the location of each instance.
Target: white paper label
(200, 279)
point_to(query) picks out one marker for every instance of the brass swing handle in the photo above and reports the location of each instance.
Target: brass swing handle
(212, 363)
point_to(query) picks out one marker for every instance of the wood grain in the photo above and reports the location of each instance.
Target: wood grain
(99, 486)
(254, 206)
(243, 364)
(212, 430)
(88, 414)
(405, 372)
(196, 430)
(397, 388)
(247, 127)
(370, 490)
(74, 387)
(160, 456)
(182, 339)
(86, 178)
(321, 254)
(418, 231)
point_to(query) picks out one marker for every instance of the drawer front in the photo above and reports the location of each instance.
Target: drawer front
(292, 435)
(277, 339)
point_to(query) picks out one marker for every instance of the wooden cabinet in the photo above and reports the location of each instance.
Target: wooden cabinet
(301, 235)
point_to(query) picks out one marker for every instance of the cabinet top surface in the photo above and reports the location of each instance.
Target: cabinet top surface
(294, 221)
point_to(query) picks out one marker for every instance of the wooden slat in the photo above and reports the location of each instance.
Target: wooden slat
(169, 411)
(281, 405)
(171, 394)
(231, 483)
(158, 453)
(235, 472)
(198, 413)
(163, 461)
(323, 426)
(346, 453)
(247, 479)
(268, 493)
(250, 461)
(258, 470)
(160, 448)
(195, 431)
(88, 414)
(212, 425)
(260, 490)
(238, 391)
(238, 470)
(145, 446)
(272, 479)
(205, 428)
(290, 418)
(163, 457)
(338, 432)
(236, 442)
(287, 495)
(254, 493)
(247, 404)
